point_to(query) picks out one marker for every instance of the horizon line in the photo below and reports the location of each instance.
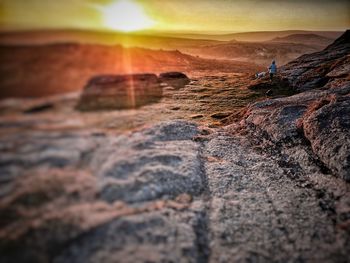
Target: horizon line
(109, 31)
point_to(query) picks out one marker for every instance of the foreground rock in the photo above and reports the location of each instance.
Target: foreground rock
(328, 130)
(123, 203)
(310, 116)
(120, 92)
(161, 195)
(268, 206)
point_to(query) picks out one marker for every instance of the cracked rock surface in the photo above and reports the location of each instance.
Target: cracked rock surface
(160, 194)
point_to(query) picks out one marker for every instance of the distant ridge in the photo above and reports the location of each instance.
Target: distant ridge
(98, 37)
(308, 39)
(326, 68)
(269, 35)
(108, 37)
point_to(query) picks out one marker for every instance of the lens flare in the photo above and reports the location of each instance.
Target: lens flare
(126, 16)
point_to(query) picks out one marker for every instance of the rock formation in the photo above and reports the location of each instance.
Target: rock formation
(328, 68)
(321, 115)
(120, 92)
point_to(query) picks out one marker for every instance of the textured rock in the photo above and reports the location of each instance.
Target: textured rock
(278, 122)
(120, 92)
(321, 69)
(160, 195)
(288, 120)
(51, 207)
(150, 237)
(162, 162)
(328, 130)
(263, 203)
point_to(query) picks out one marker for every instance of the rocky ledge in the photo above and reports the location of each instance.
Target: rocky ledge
(320, 116)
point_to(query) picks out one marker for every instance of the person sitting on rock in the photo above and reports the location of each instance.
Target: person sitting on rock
(272, 69)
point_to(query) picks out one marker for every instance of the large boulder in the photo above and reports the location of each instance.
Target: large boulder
(175, 79)
(111, 92)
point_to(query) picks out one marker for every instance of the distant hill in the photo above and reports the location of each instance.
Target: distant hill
(263, 35)
(40, 70)
(256, 52)
(146, 39)
(306, 39)
(100, 37)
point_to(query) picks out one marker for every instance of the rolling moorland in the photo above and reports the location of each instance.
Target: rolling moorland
(64, 61)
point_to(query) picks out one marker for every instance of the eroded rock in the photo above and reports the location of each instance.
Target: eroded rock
(328, 130)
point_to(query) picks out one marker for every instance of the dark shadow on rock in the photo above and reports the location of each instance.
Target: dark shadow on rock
(327, 126)
(220, 115)
(276, 87)
(39, 108)
(177, 80)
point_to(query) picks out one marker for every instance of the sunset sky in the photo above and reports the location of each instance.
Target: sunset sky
(175, 15)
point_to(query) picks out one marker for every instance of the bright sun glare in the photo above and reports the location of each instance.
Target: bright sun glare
(126, 16)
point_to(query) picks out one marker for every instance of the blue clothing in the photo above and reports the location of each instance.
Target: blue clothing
(273, 68)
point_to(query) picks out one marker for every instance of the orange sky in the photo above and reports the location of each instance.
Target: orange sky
(176, 15)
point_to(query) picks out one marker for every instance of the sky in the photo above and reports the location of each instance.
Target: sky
(175, 15)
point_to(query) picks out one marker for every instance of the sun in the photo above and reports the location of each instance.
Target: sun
(126, 16)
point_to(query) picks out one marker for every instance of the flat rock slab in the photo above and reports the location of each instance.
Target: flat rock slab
(107, 196)
(261, 211)
(113, 92)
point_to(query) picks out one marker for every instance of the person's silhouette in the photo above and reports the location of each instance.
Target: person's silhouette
(272, 69)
